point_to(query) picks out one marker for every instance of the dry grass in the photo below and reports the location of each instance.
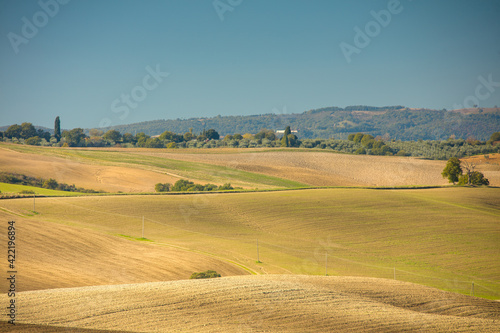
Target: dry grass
(323, 168)
(52, 255)
(86, 175)
(137, 170)
(281, 303)
(443, 238)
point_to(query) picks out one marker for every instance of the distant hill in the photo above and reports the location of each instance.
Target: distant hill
(399, 122)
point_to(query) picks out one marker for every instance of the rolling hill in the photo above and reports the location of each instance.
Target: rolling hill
(272, 303)
(54, 255)
(83, 265)
(399, 122)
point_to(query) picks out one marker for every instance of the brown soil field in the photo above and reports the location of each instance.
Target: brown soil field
(89, 176)
(325, 168)
(271, 303)
(52, 255)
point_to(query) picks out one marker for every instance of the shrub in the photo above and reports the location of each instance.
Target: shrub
(27, 192)
(477, 178)
(226, 187)
(171, 145)
(360, 151)
(205, 275)
(33, 141)
(162, 187)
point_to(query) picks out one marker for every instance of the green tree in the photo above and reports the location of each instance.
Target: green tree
(360, 151)
(212, 134)
(284, 141)
(171, 145)
(27, 130)
(226, 187)
(452, 170)
(43, 134)
(75, 137)
(50, 184)
(112, 135)
(128, 138)
(14, 131)
(188, 136)
(351, 137)
(154, 143)
(141, 139)
(494, 138)
(162, 187)
(366, 139)
(205, 275)
(358, 137)
(182, 185)
(33, 141)
(57, 129)
(476, 178)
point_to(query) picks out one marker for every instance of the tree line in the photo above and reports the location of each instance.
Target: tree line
(356, 143)
(184, 185)
(397, 122)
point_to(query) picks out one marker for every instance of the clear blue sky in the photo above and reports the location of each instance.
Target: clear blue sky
(251, 57)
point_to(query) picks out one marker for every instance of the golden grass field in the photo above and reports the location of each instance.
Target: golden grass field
(270, 303)
(83, 265)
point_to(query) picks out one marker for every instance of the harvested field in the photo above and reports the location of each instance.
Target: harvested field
(52, 255)
(325, 168)
(272, 303)
(444, 238)
(86, 175)
(138, 169)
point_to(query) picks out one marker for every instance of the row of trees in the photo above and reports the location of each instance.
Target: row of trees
(52, 184)
(184, 185)
(357, 143)
(370, 145)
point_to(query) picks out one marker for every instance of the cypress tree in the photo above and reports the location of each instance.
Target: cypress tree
(57, 129)
(284, 141)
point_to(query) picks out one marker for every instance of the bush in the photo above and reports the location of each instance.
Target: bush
(27, 192)
(477, 178)
(171, 145)
(162, 187)
(205, 275)
(33, 141)
(226, 187)
(360, 151)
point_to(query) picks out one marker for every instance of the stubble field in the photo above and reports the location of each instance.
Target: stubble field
(371, 242)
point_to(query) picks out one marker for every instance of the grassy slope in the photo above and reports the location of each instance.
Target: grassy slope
(445, 237)
(181, 169)
(13, 188)
(51, 255)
